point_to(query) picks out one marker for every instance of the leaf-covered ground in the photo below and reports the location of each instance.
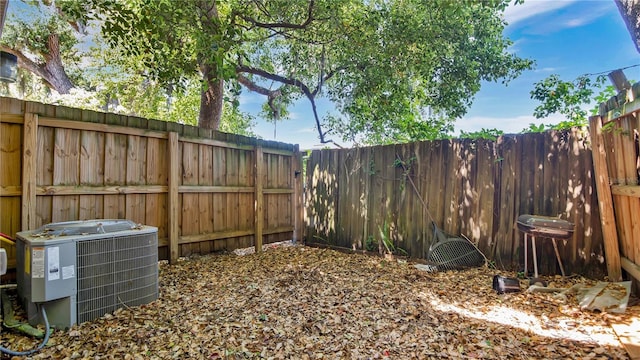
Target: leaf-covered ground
(308, 303)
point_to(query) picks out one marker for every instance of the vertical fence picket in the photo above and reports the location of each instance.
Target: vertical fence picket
(63, 164)
(472, 188)
(29, 166)
(173, 151)
(259, 198)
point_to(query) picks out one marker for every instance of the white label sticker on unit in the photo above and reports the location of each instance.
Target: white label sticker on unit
(68, 272)
(53, 263)
(37, 263)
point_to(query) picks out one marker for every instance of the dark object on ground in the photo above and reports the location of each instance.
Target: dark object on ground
(503, 284)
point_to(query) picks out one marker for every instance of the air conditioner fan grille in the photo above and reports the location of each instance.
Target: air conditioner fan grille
(114, 272)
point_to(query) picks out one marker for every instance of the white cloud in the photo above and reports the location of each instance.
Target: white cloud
(531, 8)
(515, 47)
(250, 98)
(576, 22)
(297, 116)
(555, 15)
(546, 70)
(307, 130)
(585, 17)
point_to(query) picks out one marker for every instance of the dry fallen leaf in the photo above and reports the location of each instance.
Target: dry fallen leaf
(309, 303)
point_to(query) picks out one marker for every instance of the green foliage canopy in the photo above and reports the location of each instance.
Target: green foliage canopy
(99, 78)
(568, 98)
(42, 42)
(395, 69)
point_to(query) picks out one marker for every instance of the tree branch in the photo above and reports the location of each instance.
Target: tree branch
(274, 77)
(24, 62)
(285, 25)
(77, 24)
(261, 7)
(270, 94)
(283, 80)
(325, 78)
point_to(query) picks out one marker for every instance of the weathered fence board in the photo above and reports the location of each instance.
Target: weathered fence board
(196, 186)
(471, 188)
(617, 161)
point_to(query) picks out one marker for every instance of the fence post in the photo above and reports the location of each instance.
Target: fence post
(605, 202)
(259, 198)
(29, 163)
(298, 177)
(173, 213)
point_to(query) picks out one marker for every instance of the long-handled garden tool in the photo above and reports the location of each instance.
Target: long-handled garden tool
(448, 252)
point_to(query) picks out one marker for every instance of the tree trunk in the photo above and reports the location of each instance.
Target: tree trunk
(211, 99)
(50, 68)
(53, 69)
(630, 11)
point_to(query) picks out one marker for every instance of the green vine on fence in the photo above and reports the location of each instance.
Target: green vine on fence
(405, 165)
(613, 128)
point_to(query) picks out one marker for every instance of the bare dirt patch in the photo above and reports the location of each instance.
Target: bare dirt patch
(307, 303)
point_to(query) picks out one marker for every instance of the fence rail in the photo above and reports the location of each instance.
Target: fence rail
(205, 191)
(471, 188)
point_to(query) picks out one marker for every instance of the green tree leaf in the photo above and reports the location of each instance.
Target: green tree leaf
(568, 98)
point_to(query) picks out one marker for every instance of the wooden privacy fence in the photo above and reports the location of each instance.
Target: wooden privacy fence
(205, 191)
(474, 188)
(617, 158)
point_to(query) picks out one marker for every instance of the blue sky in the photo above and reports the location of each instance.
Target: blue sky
(564, 37)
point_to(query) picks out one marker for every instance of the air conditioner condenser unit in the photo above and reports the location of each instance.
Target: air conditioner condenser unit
(81, 270)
